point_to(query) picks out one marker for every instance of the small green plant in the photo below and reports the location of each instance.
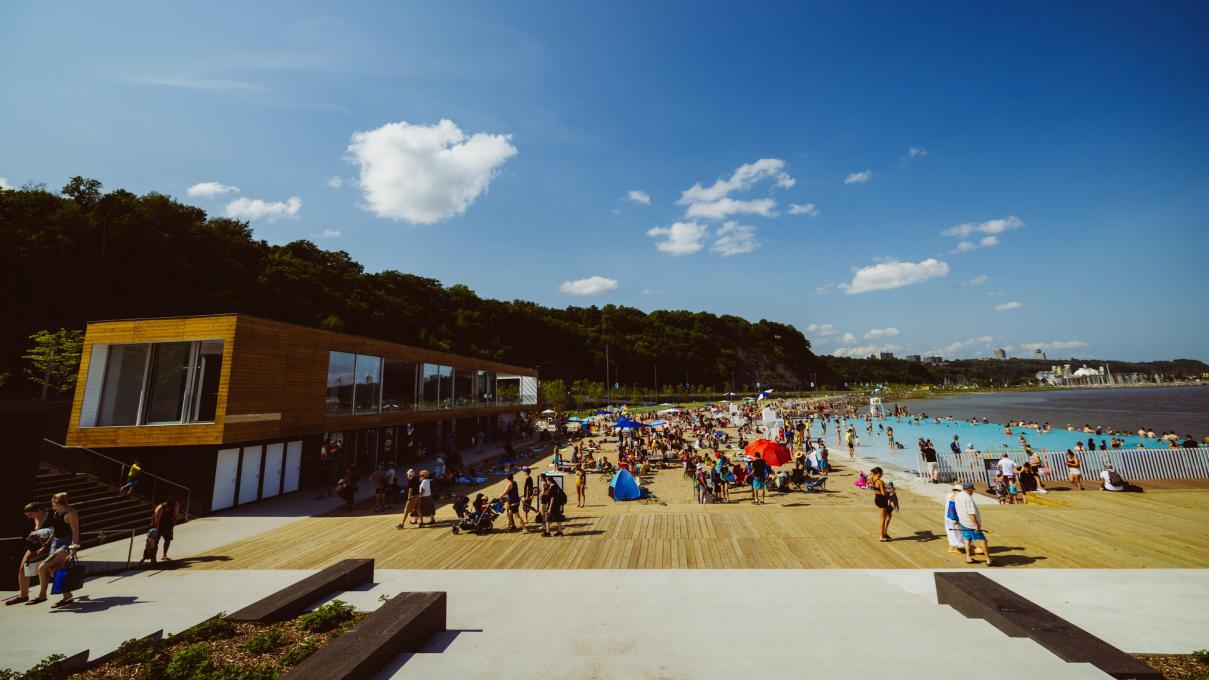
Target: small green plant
(265, 641)
(236, 673)
(326, 617)
(189, 662)
(46, 669)
(295, 655)
(1201, 656)
(384, 598)
(137, 651)
(218, 628)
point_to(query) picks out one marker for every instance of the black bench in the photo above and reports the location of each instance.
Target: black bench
(402, 625)
(293, 600)
(977, 596)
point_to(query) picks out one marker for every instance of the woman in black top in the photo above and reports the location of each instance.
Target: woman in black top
(66, 542)
(36, 512)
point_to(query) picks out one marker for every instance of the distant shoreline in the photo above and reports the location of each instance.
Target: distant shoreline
(913, 394)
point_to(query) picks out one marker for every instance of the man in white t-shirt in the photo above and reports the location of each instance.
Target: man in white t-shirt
(1007, 468)
(1107, 477)
(969, 520)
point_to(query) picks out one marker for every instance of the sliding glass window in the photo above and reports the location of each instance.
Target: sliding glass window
(123, 389)
(166, 378)
(341, 372)
(430, 387)
(446, 394)
(369, 384)
(485, 387)
(161, 383)
(398, 385)
(463, 387)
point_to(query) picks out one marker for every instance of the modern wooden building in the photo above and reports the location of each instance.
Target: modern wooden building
(240, 408)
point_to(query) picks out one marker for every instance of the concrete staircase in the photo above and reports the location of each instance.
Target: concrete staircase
(104, 514)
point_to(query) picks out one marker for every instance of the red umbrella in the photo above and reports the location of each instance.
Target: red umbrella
(773, 453)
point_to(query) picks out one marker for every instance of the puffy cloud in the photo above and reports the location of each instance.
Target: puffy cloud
(847, 338)
(984, 242)
(4, 183)
(593, 285)
(803, 209)
(824, 289)
(423, 174)
(335, 182)
(862, 350)
(327, 233)
(726, 207)
(990, 227)
(1008, 306)
(976, 281)
(253, 209)
(1057, 344)
(735, 239)
(210, 190)
(822, 330)
(858, 177)
(882, 333)
(913, 153)
(682, 238)
(890, 274)
(978, 345)
(638, 196)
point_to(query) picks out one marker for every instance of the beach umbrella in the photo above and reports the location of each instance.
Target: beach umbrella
(773, 453)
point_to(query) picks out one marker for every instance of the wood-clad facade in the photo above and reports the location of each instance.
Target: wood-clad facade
(272, 391)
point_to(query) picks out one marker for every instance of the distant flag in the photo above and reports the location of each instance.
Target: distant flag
(764, 395)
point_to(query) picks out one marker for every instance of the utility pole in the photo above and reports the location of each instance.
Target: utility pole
(656, 383)
(608, 377)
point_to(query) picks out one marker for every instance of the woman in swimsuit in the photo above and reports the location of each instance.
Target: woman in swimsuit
(581, 486)
(1073, 466)
(883, 499)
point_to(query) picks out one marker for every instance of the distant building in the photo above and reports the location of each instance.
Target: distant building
(914, 358)
(885, 355)
(1000, 354)
(933, 360)
(1038, 354)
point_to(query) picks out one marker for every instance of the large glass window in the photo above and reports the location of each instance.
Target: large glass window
(167, 375)
(430, 387)
(369, 384)
(463, 386)
(446, 394)
(508, 389)
(485, 387)
(398, 385)
(123, 388)
(159, 383)
(341, 369)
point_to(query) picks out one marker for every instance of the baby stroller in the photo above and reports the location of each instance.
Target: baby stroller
(476, 522)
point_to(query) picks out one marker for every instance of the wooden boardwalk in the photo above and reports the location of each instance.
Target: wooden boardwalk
(1090, 529)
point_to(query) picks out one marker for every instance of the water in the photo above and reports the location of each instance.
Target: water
(1184, 410)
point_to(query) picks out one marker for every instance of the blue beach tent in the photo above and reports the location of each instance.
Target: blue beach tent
(624, 486)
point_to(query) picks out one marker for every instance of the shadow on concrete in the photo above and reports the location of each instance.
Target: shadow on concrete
(1011, 560)
(438, 643)
(84, 604)
(922, 537)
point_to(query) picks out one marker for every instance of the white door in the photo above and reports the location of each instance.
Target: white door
(293, 466)
(249, 474)
(226, 471)
(272, 470)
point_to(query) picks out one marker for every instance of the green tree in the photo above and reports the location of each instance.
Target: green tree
(86, 192)
(54, 360)
(554, 394)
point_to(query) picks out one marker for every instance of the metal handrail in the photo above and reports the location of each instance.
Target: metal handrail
(125, 466)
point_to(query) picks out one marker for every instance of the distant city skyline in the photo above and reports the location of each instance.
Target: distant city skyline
(937, 181)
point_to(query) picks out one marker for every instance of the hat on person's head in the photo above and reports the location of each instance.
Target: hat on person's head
(957, 487)
(968, 485)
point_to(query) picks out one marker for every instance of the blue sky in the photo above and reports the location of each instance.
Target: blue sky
(1066, 144)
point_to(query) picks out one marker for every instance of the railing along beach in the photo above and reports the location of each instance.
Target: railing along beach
(1132, 464)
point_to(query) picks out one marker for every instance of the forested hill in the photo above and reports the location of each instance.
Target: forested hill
(87, 255)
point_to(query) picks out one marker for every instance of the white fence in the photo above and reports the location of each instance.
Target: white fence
(1132, 464)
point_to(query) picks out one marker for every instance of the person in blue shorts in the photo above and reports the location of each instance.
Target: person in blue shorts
(969, 520)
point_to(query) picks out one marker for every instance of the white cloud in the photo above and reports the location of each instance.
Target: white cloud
(861, 350)
(978, 345)
(335, 182)
(726, 207)
(822, 330)
(1008, 306)
(916, 151)
(1057, 344)
(682, 238)
(735, 239)
(210, 190)
(984, 242)
(847, 338)
(593, 285)
(824, 289)
(191, 83)
(858, 177)
(803, 209)
(976, 281)
(253, 209)
(991, 227)
(327, 233)
(638, 196)
(4, 183)
(890, 274)
(425, 173)
(882, 333)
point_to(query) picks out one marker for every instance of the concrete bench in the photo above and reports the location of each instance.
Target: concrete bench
(977, 596)
(403, 624)
(293, 600)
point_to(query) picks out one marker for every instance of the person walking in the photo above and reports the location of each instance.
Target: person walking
(885, 500)
(970, 520)
(132, 478)
(929, 453)
(528, 493)
(164, 520)
(553, 499)
(37, 546)
(65, 522)
(952, 526)
(759, 480)
(428, 505)
(411, 503)
(1074, 468)
(512, 504)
